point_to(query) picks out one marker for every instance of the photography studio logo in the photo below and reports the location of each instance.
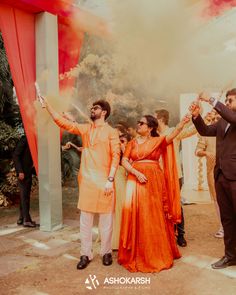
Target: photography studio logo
(127, 283)
(91, 282)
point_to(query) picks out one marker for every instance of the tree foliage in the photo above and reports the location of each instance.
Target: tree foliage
(9, 135)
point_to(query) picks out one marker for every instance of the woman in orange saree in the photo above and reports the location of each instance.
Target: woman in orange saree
(152, 204)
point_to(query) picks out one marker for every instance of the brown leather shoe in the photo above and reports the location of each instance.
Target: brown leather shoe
(223, 263)
(107, 259)
(83, 263)
(29, 224)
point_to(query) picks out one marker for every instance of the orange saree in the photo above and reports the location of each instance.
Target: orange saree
(147, 239)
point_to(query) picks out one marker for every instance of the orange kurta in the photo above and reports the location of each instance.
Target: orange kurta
(147, 240)
(101, 151)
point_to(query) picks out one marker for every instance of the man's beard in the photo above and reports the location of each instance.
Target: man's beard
(94, 117)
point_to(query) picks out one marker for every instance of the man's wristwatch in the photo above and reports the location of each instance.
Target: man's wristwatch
(111, 179)
(211, 100)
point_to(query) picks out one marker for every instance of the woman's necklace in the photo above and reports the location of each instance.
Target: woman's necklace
(139, 157)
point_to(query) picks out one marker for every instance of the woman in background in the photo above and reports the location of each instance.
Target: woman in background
(120, 185)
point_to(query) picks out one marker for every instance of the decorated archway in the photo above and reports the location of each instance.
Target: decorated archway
(44, 34)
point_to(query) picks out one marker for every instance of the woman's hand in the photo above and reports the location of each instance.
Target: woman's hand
(140, 176)
(184, 121)
(80, 149)
(68, 145)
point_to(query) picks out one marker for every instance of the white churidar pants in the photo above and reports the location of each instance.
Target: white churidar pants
(105, 229)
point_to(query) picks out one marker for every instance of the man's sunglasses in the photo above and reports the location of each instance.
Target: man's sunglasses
(141, 123)
(95, 108)
(229, 100)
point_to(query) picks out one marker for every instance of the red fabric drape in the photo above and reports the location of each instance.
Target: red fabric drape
(69, 39)
(217, 7)
(18, 32)
(57, 7)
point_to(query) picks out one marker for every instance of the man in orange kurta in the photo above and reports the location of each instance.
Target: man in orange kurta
(100, 159)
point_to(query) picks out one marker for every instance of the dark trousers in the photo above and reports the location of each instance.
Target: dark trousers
(25, 189)
(180, 226)
(226, 198)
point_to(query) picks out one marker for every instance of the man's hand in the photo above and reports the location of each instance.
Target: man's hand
(21, 176)
(194, 109)
(80, 149)
(43, 101)
(109, 188)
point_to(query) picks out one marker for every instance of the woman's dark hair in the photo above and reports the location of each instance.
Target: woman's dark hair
(125, 135)
(152, 123)
(105, 106)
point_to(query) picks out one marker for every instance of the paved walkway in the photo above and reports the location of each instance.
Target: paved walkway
(35, 262)
(41, 263)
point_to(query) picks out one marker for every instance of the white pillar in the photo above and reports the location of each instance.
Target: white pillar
(49, 159)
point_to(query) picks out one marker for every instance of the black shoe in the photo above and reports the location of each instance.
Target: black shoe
(29, 224)
(20, 221)
(83, 263)
(107, 259)
(181, 241)
(223, 263)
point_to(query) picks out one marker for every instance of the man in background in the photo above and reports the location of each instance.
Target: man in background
(24, 169)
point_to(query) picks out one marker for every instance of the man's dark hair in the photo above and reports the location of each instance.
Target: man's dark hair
(231, 92)
(104, 105)
(123, 123)
(121, 128)
(164, 115)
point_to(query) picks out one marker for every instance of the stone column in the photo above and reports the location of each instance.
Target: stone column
(49, 158)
